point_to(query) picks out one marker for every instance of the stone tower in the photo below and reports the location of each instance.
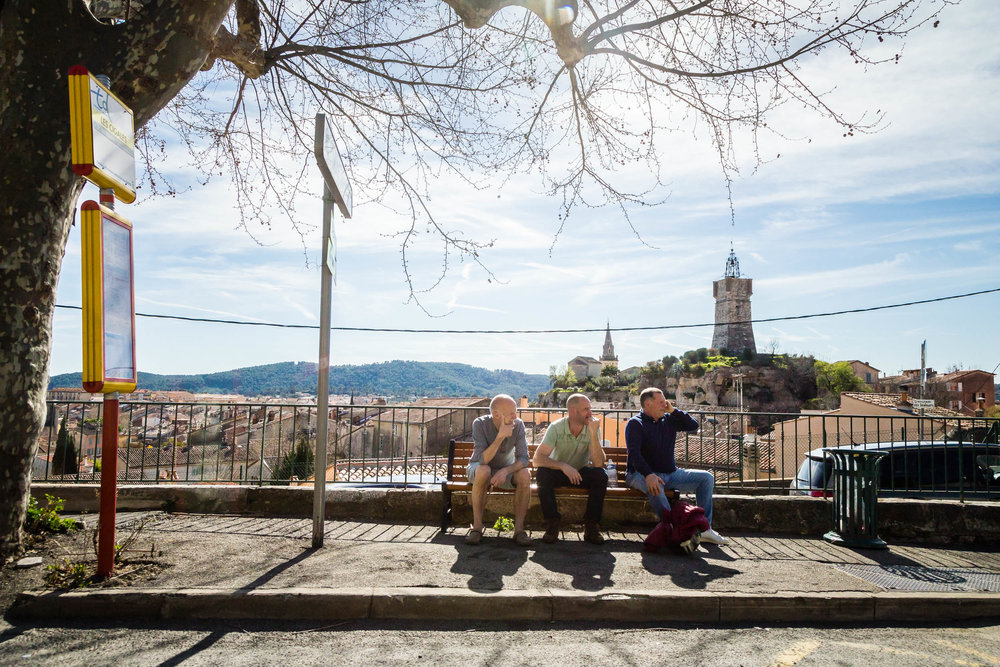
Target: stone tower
(608, 357)
(733, 330)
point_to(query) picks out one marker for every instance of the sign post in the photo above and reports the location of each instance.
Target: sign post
(102, 138)
(108, 343)
(336, 189)
(102, 134)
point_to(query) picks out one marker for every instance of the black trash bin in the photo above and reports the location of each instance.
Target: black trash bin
(855, 498)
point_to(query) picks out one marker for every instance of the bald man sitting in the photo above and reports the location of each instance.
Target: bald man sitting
(499, 460)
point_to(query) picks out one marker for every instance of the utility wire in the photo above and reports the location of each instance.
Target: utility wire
(548, 331)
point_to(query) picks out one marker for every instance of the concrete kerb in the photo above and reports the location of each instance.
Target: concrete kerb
(298, 604)
(513, 605)
(899, 607)
(828, 607)
(636, 606)
(461, 604)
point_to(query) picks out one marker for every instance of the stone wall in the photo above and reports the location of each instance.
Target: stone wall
(932, 521)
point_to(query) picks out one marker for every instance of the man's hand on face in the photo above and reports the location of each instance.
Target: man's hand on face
(594, 425)
(670, 406)
(654, 484)
(506, 428)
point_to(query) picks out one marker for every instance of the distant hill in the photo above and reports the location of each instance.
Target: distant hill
(399, 379)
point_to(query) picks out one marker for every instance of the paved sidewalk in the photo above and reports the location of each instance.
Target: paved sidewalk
(251, 567)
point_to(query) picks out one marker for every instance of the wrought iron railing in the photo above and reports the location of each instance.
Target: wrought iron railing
(264, 443)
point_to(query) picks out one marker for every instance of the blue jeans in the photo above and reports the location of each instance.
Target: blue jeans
(700, 481)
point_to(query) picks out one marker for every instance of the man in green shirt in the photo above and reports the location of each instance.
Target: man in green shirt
(571, 455)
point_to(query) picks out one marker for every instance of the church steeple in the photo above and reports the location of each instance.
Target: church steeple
(608, 357)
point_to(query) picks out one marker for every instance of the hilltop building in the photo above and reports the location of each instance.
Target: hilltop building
(608, 357)
(585, 367)
(733, 330)
(864, 371)
(588, 367)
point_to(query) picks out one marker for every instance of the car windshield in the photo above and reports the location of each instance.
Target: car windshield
(990, 465)
(815, 472)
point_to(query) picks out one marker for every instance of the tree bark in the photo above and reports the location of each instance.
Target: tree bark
(149, 59)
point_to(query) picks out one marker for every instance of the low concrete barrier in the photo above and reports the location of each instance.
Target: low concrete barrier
(932, 521)
(546, 605)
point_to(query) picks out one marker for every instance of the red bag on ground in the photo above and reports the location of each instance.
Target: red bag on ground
(678, 529)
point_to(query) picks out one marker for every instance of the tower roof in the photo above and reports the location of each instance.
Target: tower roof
(732, 265)
(608, 354)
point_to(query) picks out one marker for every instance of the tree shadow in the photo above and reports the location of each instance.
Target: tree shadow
(275, 571)
(205, 643)
(691, 572)
(489, 562)
(590, 567)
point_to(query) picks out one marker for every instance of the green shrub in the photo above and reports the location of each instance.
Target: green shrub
(504, 524)
(47, 518)
(67, 574)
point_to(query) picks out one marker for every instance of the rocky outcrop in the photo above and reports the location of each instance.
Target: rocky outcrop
(783, 386)
(765, 389)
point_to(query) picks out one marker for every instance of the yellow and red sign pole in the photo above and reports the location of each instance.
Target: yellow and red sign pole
(109, 463)
(109, 487)
(103, 145)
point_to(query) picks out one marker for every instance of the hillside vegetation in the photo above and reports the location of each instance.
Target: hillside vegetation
(400, 379)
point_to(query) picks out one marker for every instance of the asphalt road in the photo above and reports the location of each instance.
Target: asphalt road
(365, 643)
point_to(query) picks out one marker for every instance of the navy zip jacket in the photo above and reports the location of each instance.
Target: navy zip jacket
(651, 441)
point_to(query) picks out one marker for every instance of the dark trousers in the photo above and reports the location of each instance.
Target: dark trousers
(595, 480)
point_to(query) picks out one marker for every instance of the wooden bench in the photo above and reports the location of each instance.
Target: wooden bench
(459, 453)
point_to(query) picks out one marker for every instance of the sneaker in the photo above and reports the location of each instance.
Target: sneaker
(712, 537)
(474, 536)
(522, 539)
(592, 533)
(551, 531)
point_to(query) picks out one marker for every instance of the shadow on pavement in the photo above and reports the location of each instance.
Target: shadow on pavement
(685, 571)
(205, 643)
(713, 552)
(590, 567)
(276, 570)
(489, 562)
(887, 558)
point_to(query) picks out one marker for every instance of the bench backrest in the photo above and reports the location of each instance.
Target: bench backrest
(460, 452)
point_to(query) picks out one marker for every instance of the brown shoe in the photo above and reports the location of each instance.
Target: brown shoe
(474, 536)
(592, 533)
(551, 531)
(521, 539)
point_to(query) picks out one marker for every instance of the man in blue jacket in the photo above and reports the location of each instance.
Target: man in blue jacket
(650, 437)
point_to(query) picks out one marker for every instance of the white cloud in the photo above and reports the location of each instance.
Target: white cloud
(835, 223)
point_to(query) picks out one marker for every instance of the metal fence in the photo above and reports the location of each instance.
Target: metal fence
(275, 443)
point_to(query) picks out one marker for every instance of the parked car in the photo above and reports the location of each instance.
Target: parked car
(924, 469)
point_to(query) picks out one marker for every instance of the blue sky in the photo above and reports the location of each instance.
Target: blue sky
(911, 212)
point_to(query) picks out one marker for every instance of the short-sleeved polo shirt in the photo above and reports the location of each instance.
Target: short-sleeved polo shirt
(567, 448)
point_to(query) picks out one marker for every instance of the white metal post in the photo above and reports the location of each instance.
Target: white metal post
(336, 190)
(323, 389)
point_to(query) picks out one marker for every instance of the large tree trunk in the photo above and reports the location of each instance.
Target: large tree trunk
(149, 59)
